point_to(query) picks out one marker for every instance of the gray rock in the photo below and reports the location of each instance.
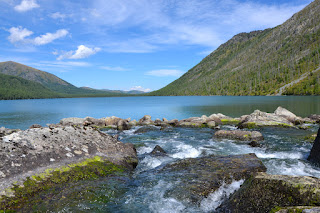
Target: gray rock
(261, 119)
(173, 122)
(264, 192)
(211, 124)
(146, 120)
(71, 121)
(123, 125)
(315, 150)
(198, 177)
(282, 112)
(158, 151)
(239, 135)
(89, 121)
(32, 151)
(35, 126)
(315, 118)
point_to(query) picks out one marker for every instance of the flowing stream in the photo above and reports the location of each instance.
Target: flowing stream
(284, 151)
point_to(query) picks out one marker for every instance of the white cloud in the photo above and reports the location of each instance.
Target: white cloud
(81, 52)
(49, 37)
(120, 69)
(18, 34)
(140, 88)
(164, 23)
(165, 72)
(58, 15)
(26, 5)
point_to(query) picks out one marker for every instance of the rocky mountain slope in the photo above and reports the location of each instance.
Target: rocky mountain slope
(260, 62)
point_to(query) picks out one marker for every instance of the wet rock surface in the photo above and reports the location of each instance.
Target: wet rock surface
(158, 151)
(264, 192)
(198, 177)
(315, 151)
(31, 151)
(239, 135)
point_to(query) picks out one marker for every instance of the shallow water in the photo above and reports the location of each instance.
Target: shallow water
(284, 151)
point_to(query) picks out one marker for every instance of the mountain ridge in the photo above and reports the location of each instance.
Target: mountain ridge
(259, 62)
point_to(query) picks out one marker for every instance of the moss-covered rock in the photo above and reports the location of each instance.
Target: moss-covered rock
(21, 194)
(239, 135)
(264, 192)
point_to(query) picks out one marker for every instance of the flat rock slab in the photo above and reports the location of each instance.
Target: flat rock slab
(25, 153)
(200, 176)
(239, 135)
(265, 192)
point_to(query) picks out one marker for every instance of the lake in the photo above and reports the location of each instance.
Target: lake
(23, 113)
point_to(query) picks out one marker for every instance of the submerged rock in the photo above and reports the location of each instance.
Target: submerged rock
(315, 151)
(158, 151)
(239, 135)
(145, 129)
(264, 192)
(40, 154)
(254, 144)
(198, 177)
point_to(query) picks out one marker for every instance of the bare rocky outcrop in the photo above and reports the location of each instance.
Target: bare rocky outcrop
(31, 152)
(264, 192)
(239, 135)
(146, 120)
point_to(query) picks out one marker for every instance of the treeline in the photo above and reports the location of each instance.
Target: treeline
(308, 86)
(12, 87)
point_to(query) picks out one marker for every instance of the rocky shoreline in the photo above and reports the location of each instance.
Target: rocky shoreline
(36, 159)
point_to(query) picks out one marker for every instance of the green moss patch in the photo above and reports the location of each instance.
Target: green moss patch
(229, 122)
(52, 179)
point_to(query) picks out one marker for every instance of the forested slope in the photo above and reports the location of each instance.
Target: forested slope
(260, 62)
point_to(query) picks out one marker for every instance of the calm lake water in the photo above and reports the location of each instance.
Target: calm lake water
(23, 113)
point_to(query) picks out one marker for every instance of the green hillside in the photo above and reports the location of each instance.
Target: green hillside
(12, 87)
(260, 62)
(22, 82)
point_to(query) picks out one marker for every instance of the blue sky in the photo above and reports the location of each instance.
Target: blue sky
(127, 44)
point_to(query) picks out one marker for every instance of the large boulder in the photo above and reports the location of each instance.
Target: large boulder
(89, 121)
(261, 119)
(239, 135)
(146, 120)
(315, 151)
(198, 177)
(282, 112)
(193, 122)
(223, 119)
(112, 121)
(72, 121)
(43, 153)
(265, 192)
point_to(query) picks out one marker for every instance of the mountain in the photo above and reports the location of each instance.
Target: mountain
(260, 62)
(13, 87)
(19, 81)
(132, 92)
